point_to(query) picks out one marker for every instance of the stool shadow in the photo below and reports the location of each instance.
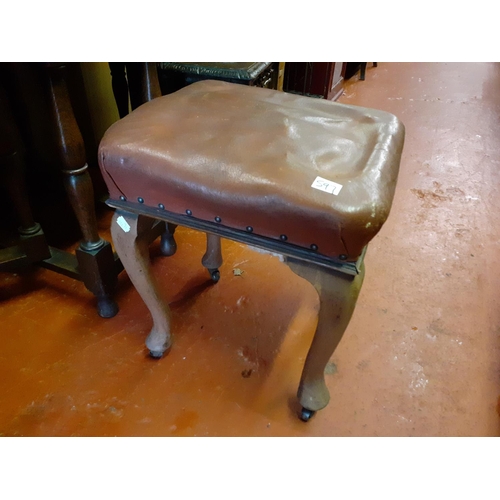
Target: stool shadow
(247, 333)
(246, 341)
(191, 290)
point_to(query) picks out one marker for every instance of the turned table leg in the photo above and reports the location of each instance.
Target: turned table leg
(212, 259)
(12, 173)
(148, 84)
(95, 256)
(338, 294)
(131, 237)
(120, 87)
(32, 238)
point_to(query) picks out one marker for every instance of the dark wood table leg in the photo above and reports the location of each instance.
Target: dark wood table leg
(362, 70)
(95, 256)
(143, 83)
(33, 246)
(150, 84)
(120, 87)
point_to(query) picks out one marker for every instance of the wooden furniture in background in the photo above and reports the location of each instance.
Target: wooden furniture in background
(139, 81)
(176, 75)
(93, 262)
(353, 67)
(314, 79)
(281, 75)
(362, 69)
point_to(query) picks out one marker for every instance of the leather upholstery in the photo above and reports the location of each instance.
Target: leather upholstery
(249, 156)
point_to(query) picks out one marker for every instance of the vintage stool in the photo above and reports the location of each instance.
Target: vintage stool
(309, 179)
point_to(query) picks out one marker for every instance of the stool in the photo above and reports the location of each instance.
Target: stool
(310, 179)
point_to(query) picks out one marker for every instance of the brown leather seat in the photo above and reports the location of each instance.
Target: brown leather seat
(247, 157)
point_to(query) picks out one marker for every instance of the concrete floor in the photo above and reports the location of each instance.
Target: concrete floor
(421, 356)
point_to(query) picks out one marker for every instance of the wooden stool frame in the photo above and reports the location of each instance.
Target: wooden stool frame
(337, 283)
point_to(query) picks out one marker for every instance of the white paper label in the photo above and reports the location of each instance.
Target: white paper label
(326, 185)
(123, 224)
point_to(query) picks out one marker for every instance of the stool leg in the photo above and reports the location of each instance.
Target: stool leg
(168, 246)
(338, 294)
(212, 259)
(130, 233)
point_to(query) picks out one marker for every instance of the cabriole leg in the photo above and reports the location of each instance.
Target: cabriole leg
(338, 294)
(212, 259)
(130, 233)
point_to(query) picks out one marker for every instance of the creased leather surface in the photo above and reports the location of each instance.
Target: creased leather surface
(249, 156)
